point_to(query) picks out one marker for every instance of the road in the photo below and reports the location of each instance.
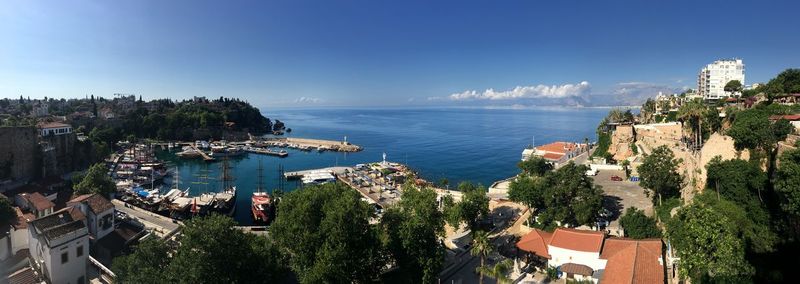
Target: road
(161, 225)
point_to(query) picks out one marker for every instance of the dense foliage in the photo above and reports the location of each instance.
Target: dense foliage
(473, 206)
(787, 183)
(96, 180)
(637, 225)
(7, 212)
(535, 165)
(565, 195)
(659, 173)
(326, 233)
(706, 241)
(412, 231)
(211, 250)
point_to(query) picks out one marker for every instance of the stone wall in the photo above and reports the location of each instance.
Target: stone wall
(19, 150)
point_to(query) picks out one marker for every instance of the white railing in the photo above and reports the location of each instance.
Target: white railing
(103, 269)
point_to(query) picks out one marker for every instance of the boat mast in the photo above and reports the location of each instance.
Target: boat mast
(260, 177)
(226, 177)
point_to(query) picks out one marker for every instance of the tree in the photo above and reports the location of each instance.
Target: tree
(787, 82)
(566, 195)
(7, 212)
(326, 233)
(147, 263)
(97, 181)
(787, 182)
(499, 271)
(473, 206)
(481, 247)
(211, 250)
(535, 165)
(733, 87)
(693, 112)
(659, 173)
(706, 242)
(412, 230)
(637, 225)
(626, 167)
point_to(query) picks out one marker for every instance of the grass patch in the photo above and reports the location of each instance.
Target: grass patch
(665, 208)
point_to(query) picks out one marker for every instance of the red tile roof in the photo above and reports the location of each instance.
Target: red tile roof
(536, 242)
(575, 268)
(38, 201)
(577, 240)
(22, 219)
(632, 261)
(96, 202)
(52, 125)
(789, 117)
(553, 156)
(558, 147)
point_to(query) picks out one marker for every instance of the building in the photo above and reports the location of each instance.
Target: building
(557, 153)
(712, 78)
(14, 237)
(53, 128)
(588, 255)
(36, 203)
(59, 246)
(99, 213)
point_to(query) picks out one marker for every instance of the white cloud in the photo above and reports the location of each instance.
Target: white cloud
(308, 100)
(526, 92)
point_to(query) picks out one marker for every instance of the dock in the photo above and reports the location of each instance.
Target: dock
(265, 151)
(301, 174)
(203, 154)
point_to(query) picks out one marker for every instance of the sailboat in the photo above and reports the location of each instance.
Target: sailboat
(225, 200)
(260, 200)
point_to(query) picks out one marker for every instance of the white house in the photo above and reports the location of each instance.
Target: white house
(713, 77)
(588, 255)
(14, 237)
(54, 128)
(36, 203)
(99, 213)
(556, 153)
(59, 246)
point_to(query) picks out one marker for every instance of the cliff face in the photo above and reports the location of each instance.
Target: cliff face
(621, 140)
(18, 153)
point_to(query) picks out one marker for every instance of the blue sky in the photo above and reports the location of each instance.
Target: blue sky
(382, 53)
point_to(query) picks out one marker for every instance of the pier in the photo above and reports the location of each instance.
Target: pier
(301, 174)
(264, 151)
(203, 154)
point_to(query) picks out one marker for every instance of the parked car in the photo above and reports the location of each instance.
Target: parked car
(616, 178)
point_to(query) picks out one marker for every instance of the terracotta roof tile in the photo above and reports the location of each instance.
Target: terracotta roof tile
(97, 203)
(633, 261)
(536, 242)
(553, 156)
(38, 201)
(577, 240)
(575, 268)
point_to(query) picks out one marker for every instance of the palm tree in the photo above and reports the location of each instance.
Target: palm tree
(481, 246)
(498, 271)
(693, 111)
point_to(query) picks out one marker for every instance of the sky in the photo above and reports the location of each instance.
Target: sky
(384, 53)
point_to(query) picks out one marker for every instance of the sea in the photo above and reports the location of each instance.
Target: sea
(479, 145)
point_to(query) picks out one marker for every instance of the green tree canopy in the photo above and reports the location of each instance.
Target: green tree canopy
(96, 180)
(481, 247)
(566, 195)
(413, 229)
(659, 173)
(535, 165)
(787, 82)
(733, 86)
(706, 242)
(787, 182)
(752, 130)
(473, 206)
(7, 212)
(637, 225)
(211, 250)
(326, 233)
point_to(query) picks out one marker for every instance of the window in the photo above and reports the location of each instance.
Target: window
(64, 257)
(79, 251)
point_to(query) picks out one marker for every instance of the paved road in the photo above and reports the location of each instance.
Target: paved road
(160, 224)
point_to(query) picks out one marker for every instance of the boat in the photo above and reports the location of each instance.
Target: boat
(261, 202)
(224, 202)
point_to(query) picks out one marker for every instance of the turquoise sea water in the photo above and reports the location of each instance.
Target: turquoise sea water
(478, 145)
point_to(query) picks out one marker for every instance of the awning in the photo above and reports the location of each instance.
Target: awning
(575, 268)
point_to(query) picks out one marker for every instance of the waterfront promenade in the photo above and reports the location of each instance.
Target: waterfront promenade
(160, 225)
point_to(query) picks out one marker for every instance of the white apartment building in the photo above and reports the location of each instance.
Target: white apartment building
(59, 246)
(712, 78)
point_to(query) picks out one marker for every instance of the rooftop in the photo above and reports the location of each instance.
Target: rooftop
(59, 223)
(96, 202)
(578, 240)
(43, 125)
(38, 201)
(633, 261)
